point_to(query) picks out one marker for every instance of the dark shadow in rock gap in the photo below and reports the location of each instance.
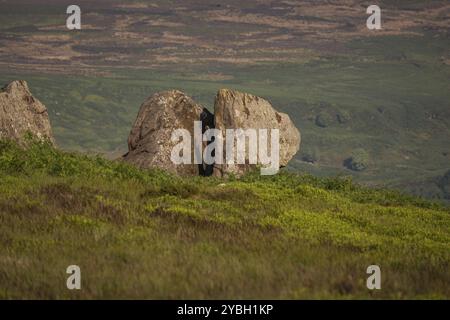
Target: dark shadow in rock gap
(207, 119)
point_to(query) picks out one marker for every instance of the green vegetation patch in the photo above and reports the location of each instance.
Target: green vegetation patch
(148, 234)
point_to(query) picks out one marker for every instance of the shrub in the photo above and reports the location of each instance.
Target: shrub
(343, 117)
(444, 184)
(358, 161)
(324, 120)
(310, 155)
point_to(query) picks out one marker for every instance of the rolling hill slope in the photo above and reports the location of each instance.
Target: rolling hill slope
(147, 234)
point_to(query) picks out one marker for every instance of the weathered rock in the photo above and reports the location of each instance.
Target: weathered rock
(160, 115)
(234, 110)
(20, 113)
(149, 142)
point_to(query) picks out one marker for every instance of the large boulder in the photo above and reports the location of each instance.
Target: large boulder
(149, 142)
(21, 113)
(237, 110)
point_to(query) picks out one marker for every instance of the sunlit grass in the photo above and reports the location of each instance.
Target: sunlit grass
(148, 234)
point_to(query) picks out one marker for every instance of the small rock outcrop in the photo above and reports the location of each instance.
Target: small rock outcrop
(149, 142)
(20, 113)
(237, 110)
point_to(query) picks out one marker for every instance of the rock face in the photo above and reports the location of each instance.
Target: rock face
(20, 113)
(149, 142)
(234, 110)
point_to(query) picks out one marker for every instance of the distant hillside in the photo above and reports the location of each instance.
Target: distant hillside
(148, 234)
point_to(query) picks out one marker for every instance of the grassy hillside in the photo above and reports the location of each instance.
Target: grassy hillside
(148, 234)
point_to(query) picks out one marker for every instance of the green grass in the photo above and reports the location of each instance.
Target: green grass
(148, 234)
